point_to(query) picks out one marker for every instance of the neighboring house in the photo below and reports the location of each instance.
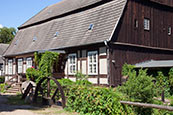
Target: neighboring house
(3, 48)
(97, 37)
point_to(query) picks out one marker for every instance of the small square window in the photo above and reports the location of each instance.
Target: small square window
(169, 31)
(146, 24)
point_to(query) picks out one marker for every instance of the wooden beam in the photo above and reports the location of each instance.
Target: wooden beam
(145, 105)
(141, 46)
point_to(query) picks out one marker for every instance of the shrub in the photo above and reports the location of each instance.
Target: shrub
(96, 101)
(2, 87)
(171, 80)
(83, 82)
(139, 88)
(80, 76)
(32, 74)
(162, 84)
(2, 79)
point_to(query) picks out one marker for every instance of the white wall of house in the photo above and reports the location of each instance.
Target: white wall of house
(88, 68)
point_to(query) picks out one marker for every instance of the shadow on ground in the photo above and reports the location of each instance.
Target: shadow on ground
(5, 106)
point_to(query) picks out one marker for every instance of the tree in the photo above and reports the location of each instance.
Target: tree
(7, 34)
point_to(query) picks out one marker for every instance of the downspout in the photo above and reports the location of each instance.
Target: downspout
(106, 42)
(108, 61)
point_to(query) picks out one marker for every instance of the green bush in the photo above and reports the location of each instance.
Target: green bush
(83, 82)
(96, 101)
(80, 76)
(2, 79)
(2, 87)
(139, 88)
(162, 84)
(84, 98)
(171, 81)
(32, 74)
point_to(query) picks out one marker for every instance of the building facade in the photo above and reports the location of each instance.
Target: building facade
(96, 37)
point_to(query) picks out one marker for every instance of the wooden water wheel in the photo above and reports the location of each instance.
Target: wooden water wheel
(49, 94)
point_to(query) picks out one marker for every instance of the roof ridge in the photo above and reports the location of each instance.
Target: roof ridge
(78, 6)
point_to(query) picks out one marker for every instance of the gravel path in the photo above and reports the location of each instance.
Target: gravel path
(13, 109)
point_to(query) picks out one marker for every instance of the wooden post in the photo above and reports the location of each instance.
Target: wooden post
(48, 88)
(163, 96)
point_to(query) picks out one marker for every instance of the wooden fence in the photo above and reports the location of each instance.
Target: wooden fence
(145, 105)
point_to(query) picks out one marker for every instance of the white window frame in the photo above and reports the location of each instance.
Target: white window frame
(10, 66)
(92, 53)
(146, 24)
(20, 65)
(28, 62)
(71, 64)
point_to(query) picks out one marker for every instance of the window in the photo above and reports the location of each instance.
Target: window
(136, 23)
(91, 26)
(34, 38)
(28, 63)
(10, 67)
(93, 63)
(146, 24)
(20, 65)
(72, 63)
(169, 31)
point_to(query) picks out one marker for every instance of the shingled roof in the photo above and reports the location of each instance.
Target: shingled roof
(3, 48)
(72, 29)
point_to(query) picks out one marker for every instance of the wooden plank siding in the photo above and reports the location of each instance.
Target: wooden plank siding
(132, 55)
(160, 19)
(130, 37)
(164, 2)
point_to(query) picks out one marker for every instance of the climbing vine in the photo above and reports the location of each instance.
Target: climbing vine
(44, 63)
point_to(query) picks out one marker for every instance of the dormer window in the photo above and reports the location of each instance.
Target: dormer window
(16, 42)
(146, 24)
(56, 34)
(34, 38)
(91, 27)
(169, 31)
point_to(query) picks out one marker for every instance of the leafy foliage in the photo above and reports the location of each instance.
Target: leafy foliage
(171, 81)
(162, 83)
(95, 100)
(7, 34)
(32, 74)
(127, 69)
(2, 79)
(2, 87)
(138, 88)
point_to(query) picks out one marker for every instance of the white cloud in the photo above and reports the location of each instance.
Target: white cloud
(1, 26)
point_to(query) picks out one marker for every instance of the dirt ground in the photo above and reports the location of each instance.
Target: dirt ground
(6, 109)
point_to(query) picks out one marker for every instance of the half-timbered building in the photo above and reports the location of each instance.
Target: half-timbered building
(95, 37)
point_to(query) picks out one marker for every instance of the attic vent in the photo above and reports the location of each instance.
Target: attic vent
(56, 34)
(16, 42)
(91, 27)
(34, 38)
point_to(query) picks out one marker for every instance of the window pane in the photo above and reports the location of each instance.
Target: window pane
(90, 58)
(94, 57)
(90, 68)
(94, 68)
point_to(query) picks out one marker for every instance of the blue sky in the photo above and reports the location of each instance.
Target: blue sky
(14, 13)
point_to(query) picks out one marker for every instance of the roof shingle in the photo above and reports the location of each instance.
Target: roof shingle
(72, 29)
